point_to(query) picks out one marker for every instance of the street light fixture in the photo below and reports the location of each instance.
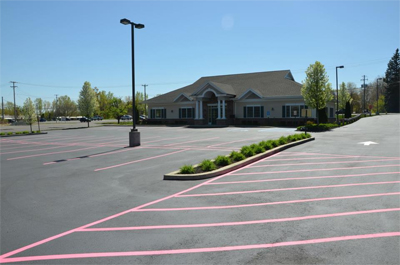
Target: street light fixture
(337, 95)
(134, 135)
(377, 95)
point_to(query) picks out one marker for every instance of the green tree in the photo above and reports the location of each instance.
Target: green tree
(39, 106)
(316, 89)
(118, 108)
(28, 111)
(104, 100)
(87, 102)
(66, 106)
(344, 96)
(354, 92)
(392, 79)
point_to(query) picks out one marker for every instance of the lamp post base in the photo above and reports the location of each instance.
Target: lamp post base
(134, 138)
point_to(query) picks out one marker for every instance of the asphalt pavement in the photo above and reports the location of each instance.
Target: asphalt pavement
(82, 197)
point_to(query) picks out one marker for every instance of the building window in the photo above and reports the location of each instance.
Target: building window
(186, 113)
(292, 111)
(330, 112)
(253, 112)
(159, 113)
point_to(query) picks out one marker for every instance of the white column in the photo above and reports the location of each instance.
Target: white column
(201, 109)
(219, 109)
(197, 110)
(223, 109)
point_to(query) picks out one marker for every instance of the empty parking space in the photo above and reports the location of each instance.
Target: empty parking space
(284, 202)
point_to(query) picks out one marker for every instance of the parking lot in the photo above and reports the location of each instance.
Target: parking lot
(81, 196)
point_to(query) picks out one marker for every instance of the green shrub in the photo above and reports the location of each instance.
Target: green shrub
(282, 140)
(308, 135)
(291, 138)
(18, 133)
(207, 165)
(2, 133)
(299, 136)
(10, 133)
(222, 161)
(266, 145)
(187, 169)
(274, 143)
(25, 132)
(236, 156)
(247, 151)
(257, 148)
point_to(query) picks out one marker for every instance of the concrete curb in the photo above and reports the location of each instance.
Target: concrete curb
(23, 134)
(223, 170)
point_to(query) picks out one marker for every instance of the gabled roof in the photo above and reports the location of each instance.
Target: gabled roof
(267, 84)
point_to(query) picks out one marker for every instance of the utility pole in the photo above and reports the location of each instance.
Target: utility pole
(364, 90)
(2, 109)
(145, 98)
(15, 110)
(56, 106)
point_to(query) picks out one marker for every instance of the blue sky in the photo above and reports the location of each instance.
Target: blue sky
(53, 47)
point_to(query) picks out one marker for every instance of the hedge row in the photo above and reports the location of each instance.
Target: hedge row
(245, 152)
(13, 133)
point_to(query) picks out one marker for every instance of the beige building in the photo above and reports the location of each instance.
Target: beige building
(264, 98)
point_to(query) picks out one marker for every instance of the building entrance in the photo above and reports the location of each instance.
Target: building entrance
(212, 114)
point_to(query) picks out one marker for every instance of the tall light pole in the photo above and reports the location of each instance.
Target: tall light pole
(337, 95)
(145, 104)
(377, 95)
(134, 135)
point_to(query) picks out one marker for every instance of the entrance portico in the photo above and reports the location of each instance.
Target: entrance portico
(211, 104)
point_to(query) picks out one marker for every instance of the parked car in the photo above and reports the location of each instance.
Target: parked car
(84, 119)
(142, 117)
(42, 120)
(97, 118)
(126, 117)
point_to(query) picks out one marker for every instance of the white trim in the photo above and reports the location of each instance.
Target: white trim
(182, 94)
(252, 91)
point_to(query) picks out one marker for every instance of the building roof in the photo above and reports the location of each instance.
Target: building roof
(267, 84)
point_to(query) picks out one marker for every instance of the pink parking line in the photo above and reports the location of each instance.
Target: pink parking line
(33, 150)
(136, 161)
(2, 257)
(234, 142)
(308, 170)
(202, 140)
(286, 189)
(200, 250)
(314, 158)
(45, 154)
(324, 163)
(220, 207)
(319, 154)
(165, 139)
(301, 178)
(265, 221)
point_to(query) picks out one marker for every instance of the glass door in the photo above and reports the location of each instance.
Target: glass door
(212, 114)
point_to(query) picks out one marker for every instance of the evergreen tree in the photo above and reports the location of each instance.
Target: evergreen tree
(316, 89)
(392, 79)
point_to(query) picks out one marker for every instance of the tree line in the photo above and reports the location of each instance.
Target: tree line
(91, 102)
(379, 96)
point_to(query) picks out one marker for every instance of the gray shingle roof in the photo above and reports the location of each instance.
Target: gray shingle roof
(268, 84)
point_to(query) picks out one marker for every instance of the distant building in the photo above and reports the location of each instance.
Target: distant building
(264, 98)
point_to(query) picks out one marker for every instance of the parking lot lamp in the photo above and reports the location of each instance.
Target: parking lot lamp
(337, 95)
(134, 135)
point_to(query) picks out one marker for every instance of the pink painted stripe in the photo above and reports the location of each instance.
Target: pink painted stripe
(251, 139)
(302, 178)
(60, 152)
(32, 150)
(264, 203)
(140, 160)
(200, 250)
(346, 155)
(309, 170)
(202, 140)
(265, 221)
(165, 139)
(324, 163)
(286, 189)
(107, 218)
(314, 158)
(108, 153)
